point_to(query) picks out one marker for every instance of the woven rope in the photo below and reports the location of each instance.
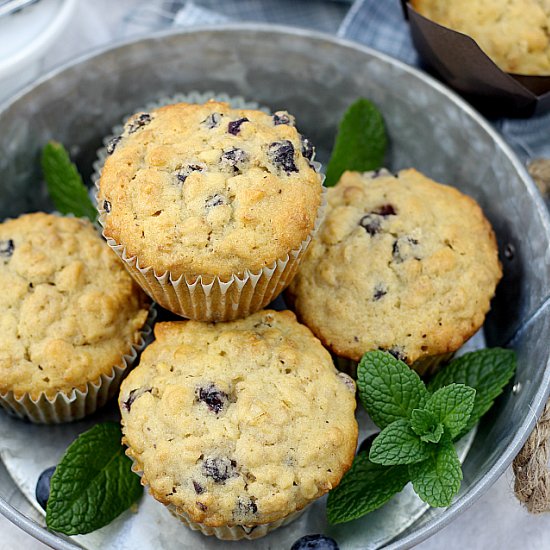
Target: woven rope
(532, 485)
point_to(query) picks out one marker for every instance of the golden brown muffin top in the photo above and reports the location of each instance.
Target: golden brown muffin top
(402, 263)
(69, 310)
(209, 190)
(238, 423)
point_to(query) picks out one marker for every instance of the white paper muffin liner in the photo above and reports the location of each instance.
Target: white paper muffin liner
(225, 532)
(220, 299)
(78, 403)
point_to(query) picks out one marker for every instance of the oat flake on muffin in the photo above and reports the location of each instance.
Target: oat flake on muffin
(402, 264)
(240, 423)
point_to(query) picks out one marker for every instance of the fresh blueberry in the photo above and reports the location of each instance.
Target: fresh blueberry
(315, 542)
(219, 469)
(307, 148)
(234, 127)
(112, 144)
(366, 444)
(211, 121)
(215, 200)
(7, 248)
(134, 394)
(183, 173)
(42, 492)
(106, 206)
(282, 155)
(141, 120)
(234, 158)
(214, 398)
(282, 117)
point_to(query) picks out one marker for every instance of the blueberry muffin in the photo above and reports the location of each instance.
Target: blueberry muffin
(69, 314)
(402, 264)
(514, 34)
(238, 426)
(213, 205)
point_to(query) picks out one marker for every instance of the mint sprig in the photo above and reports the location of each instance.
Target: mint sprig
(361, 141)
(418, 428)
(425, 425)
(364, 488)
(65, 185)
(437, 480)
(93, 483)
(387, 390)
(398, 444)
(488, 371)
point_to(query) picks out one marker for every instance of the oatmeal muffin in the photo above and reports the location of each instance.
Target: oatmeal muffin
(69, 314)
(215, 205)
(402, 264)
(514, 34)
(238, 426)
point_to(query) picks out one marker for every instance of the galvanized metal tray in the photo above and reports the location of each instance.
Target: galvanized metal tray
(315, 77)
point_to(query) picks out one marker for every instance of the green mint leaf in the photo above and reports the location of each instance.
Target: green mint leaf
(437, 479)
(364, 488)
(65, 185)
(433, 436)
(398, 444)
(425, 425)
(361, 141)
(93, 483)
(388, 388)
(487, 371)
(452, 406)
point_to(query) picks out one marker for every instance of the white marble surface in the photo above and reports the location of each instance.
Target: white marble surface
(495, 522)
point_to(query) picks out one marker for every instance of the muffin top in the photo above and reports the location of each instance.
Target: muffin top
(69, 309)
(238, 423)
(209, 190)
(402, 264)
(514, 34)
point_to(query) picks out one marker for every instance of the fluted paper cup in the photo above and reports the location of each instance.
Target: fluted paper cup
(81, 401)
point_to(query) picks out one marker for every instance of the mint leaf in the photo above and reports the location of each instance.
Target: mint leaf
(65, 185)
(388, 388)
(452, 406)
(398, 444)
(93, 483)
(364, 488)
(487, 371)
(425, 425)
(361, 141)
(437, 480)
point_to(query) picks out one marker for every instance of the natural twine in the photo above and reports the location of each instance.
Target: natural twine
(532, 486)
(531, 469)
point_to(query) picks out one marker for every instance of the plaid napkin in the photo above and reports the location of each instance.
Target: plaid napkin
(376, 23)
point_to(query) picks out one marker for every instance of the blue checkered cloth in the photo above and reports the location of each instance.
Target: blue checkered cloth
(376, 23)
